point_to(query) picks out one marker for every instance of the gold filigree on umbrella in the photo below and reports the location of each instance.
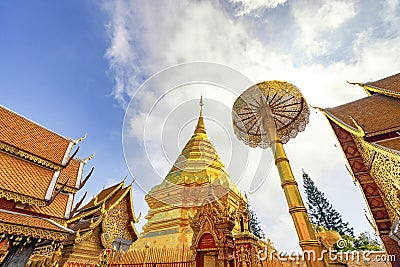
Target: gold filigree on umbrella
(268, 114)
(288, 107)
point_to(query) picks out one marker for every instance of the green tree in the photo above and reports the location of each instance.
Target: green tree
(254, 223)
(365, 242)
(321, 212)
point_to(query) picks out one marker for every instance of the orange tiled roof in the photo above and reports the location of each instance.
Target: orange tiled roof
(70, 172)
(392, 144)
(55, 209)
(103, 195)
(388, 85)
(29, 221)
(23, 177)
(376, 114)
(31, 137)
(117, 197)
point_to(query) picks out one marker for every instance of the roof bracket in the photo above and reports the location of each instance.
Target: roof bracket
(58, 192)
(86, 179)
(77, 206)
(73, 155)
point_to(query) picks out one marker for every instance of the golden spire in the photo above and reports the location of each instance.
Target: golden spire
(200, 128)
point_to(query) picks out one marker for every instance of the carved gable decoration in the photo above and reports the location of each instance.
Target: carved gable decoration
(115, 225)
(212, 231)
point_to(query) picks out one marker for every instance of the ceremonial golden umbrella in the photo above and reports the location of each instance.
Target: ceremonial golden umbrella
(266, 115)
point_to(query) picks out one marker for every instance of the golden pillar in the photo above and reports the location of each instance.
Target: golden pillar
(307, 239)
(268, 114)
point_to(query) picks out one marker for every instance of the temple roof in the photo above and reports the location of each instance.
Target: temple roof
(22, 177)
(105, 201)
(376, 114)
(388, 86)
(71, 173)
(35, 162)
(391, 144)
(31, 137)
(117, 197)
(101, 197)
(27, 225)
(368, 131)
(57, 207)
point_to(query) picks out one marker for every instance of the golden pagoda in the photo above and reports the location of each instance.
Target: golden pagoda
(175, 201)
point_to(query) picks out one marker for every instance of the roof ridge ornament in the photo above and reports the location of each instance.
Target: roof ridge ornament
(88, 158)
(72, 156)
(359, 128)
(316, 107)
(137, 218)
(355, 83)
(79, 139)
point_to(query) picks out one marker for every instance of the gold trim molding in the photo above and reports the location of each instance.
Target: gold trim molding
(67, 189)
(34, 232)
(21, 198)
(28, 156)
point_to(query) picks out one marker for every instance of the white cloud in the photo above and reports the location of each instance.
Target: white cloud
(315, 47)
(318, 20)
(246, 7)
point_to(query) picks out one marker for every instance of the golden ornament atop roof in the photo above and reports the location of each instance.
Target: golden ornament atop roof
(200, 128)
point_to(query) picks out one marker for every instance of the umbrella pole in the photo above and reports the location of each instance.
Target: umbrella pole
(311, 247)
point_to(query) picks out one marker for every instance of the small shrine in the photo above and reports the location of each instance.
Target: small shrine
(103, 225)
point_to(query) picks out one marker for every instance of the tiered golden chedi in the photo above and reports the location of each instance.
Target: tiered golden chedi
(177, 199)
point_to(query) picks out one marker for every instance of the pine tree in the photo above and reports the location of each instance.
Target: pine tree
(254, 223)
(321, 212)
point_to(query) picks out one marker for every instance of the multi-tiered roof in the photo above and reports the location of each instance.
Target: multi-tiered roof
(368, 131)
(38, 178)
(105, 222)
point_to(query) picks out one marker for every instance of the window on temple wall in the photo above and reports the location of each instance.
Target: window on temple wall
(241, 224)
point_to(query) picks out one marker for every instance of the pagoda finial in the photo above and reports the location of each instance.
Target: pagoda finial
(200, 128)
(201, 104)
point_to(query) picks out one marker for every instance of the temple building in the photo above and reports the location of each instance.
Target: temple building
(368, 131)
(105, 223)
(39, 178)
(197, 215)
(183, 190)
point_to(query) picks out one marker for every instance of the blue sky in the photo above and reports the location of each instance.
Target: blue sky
(53, 71)
(73, 66)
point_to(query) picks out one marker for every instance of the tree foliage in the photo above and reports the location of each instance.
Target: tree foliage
(254, 223)
(321, 212)
(325, 217)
